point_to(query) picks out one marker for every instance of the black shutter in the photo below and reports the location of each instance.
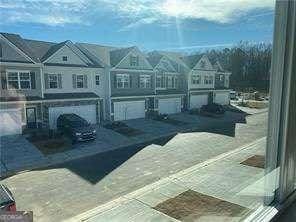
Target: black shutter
(115, 81)
(130, 79)
(46, 80)
(33, 80)
(60, 83)
(74, 81)
(3, 80)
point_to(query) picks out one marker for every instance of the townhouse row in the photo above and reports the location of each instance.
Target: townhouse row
(42, 80)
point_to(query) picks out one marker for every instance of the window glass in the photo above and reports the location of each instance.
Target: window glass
(123, 81)
(97, 80)
(134, 60)
(145, 81)
(79, 81)
(53, 81)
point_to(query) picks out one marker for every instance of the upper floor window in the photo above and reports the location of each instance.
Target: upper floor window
(159, 81)
(221, 77)
(19, 80)
(195, 79)
(80, 81)
(53, 81)
(65, 58)
(170, 82)
(97, 80)
(208, 80)
(134, 60)
(202, 64)
(145, 81)
(123, 81)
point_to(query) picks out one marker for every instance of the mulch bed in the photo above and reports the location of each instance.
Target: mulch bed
(51, 145)
(192, 206)
(255, 161)
(123, 129)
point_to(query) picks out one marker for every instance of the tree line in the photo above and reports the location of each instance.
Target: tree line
(249, 64)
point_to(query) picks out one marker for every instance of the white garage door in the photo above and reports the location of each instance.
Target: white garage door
(10, 122)
(169, 106)
(129, 110)
(197, 101)
(87, 112)
(222, 98)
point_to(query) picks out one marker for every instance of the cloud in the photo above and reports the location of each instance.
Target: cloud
(201, 46)
(140, 12)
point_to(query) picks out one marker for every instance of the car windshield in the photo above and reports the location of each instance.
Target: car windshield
(80, 123)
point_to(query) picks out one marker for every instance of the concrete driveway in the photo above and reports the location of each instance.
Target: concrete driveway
(64, 190)
(17, 152)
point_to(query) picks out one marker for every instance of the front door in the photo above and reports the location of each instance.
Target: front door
(31, 117)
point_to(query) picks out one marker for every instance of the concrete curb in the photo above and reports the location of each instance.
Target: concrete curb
(130, 196)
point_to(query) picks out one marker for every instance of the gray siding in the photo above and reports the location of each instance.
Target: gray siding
(21, 92)
(143, 63)
(135, 89)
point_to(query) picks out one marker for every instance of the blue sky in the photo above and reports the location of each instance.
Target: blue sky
(176, 25)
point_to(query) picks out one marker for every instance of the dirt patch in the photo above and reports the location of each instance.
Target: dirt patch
(255, 161)
(192, 206)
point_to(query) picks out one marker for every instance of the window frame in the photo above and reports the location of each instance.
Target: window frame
(79, 81)
(195, 81)
(124, 81)
(97, 80)
(19, 80)
(49, 81)
(134, 60)
(147, 83)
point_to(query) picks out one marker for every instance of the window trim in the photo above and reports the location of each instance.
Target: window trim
(18, 79)
(136, 60)
(79, 75)
(57, 81)
(192, 79)
(97, 75)
(146, 77)
(123, 85)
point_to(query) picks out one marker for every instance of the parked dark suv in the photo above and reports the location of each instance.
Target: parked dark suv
(75, 127)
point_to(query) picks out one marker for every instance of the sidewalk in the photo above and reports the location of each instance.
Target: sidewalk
(222, 178)
(22, 155)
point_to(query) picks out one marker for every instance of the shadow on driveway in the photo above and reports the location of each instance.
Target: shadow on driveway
(95, 168)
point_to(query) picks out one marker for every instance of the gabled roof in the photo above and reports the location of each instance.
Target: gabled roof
(45, 50)
(117, 55)
(176, 60)
(40, 48)
(154, 58)
(94, 57)
(192, 60)
(21, 44)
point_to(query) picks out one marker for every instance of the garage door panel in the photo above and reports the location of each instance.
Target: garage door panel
(197, 101)
(129, 110)
(87, 112)
(169, 106)
(11, 122)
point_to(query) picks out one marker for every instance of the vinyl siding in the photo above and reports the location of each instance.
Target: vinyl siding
(135, 90)
(67, 79)
(72, 58)
(21, 92)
